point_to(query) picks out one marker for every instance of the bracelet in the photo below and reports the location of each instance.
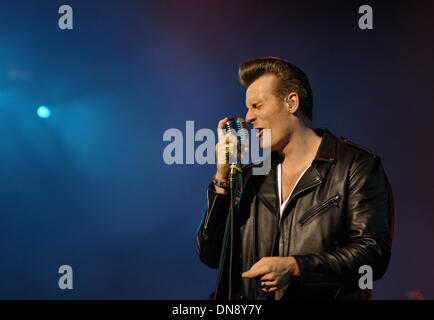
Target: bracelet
(220, 184)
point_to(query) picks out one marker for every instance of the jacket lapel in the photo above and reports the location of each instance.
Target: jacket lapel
(267, 190)
(317, 172)
(310, 179)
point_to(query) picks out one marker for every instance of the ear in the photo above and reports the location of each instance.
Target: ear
(292, 102)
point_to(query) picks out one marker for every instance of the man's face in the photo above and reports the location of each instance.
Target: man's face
(267, 111)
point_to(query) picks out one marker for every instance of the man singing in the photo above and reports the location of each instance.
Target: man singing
(303, 230)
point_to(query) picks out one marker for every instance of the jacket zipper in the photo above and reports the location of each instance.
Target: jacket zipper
(287, 204)
(334, 200)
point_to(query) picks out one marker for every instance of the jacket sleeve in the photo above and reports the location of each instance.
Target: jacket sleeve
(369, 231)
(209, 237)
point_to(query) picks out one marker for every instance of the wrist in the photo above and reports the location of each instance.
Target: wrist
(221, 185)
(221, 176)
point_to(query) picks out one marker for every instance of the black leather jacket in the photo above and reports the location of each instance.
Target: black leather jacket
(340, 216)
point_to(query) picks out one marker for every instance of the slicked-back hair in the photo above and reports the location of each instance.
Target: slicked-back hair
(291, 79)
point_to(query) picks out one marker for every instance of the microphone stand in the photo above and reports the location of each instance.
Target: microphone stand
(233, 193)
(235, 125)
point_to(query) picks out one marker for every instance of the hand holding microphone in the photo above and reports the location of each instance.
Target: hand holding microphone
(230, 149)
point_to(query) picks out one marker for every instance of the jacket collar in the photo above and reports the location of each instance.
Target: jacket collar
(268, 191)
(327, 148)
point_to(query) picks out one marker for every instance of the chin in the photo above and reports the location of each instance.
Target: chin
(266, 141)
(266, 146)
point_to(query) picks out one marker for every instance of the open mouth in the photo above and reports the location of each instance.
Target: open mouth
(260, 131)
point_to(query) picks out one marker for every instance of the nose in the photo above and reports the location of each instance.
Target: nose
(250, 117)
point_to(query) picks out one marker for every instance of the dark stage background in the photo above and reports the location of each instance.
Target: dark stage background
(88, 186)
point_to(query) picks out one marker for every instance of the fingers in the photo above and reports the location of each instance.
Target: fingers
(259, 265)
(228, 147)
(222, 133)
(270, 289)
(269, 273)
(256, 271)
(228, 150)
(268, 277)
(220, 127)
(230, 138)
(268, 281)
(270, 285)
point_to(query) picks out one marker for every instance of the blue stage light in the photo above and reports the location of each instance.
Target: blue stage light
(43, 112)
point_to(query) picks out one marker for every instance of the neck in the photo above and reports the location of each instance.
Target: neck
(301, 148)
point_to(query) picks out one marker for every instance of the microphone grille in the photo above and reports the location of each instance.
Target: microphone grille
(237, 127)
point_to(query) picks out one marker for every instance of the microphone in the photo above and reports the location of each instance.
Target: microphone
(237, 127)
